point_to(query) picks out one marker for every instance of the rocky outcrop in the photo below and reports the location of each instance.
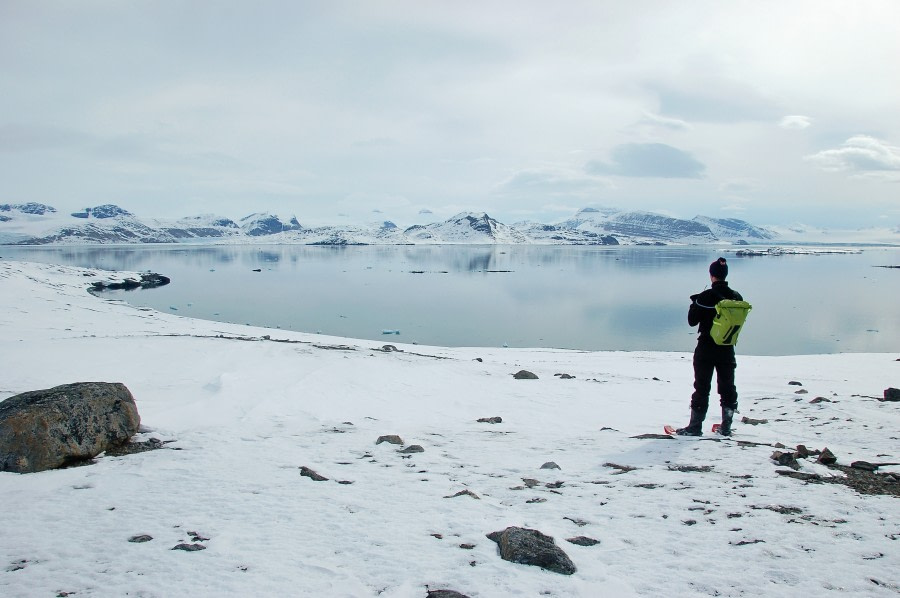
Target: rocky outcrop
(147, 281)
(47, 429)
(531, 547)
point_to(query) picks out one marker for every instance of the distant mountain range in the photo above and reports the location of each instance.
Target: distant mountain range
(39, 224)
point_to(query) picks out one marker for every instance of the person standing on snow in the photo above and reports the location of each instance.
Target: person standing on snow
(709, 357)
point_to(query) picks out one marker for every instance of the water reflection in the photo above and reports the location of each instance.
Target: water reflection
(626, 298)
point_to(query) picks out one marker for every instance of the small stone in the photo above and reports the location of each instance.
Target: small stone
(820, 400)
(802, 391)
(583, 541)
(864, 465)
(530, 482)
(491, 420)
(140, 539)
(827, 457)
(190, 547)
(690, 522)
(892, 394)
(802, 451)
(309, 473)
(464, 493)
(794, 383)
(413, 448)
(786, 459)
(550, 465)
(444, 594)
(391, 438)
(525, 375)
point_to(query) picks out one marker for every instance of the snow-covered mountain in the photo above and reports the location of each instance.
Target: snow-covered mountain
(41, 224)
(466, 228)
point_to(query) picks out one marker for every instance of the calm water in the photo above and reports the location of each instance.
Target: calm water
(625, 298)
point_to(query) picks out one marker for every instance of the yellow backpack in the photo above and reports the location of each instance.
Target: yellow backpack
(729, 320)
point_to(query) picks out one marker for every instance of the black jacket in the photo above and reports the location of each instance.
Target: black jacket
(703, 307)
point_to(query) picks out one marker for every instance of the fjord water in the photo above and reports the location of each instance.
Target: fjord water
(591, 298)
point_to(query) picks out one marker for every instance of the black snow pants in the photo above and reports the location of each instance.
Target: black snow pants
(708, 358)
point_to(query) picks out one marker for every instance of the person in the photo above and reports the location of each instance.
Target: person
(709, 357)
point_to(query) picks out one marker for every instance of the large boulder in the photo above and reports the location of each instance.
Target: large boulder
(531, 547)
(46, 429)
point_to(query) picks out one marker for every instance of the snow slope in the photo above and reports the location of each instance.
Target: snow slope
(247, 407)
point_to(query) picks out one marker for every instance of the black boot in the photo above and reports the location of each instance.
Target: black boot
(695, 428)
(727, 416)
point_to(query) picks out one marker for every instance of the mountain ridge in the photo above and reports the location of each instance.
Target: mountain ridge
(40, 224)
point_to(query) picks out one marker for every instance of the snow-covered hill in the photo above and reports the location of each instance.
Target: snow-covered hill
(40, 224)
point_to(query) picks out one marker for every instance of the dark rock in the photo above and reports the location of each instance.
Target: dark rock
(802, 451)
(413, 448)
(140, 539)
(531, 547)
(148, 281)
(550, 465)
(190, 547)
(491, 420)
(445, 594)
(525, 375)
(309, 473)
(786, 459)
(392, 439)
(465, 493)
(827, 457)
(131, 448)
(47, 429)
(892, 394)
(794, 383)
(530, 482)
(565, 376)
(583, 541)
(753, 422)
(864, 465)
(820, 400)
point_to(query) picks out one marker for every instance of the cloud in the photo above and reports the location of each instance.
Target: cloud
(552, 182)
(655, 160)
(861, 154)
(650, 124)
(705, 94)
(795, 121)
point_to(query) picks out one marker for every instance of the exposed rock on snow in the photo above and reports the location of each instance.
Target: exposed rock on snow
(147, 281)
(46, 429)
(531, 547)
(390, 438)
(309, 473)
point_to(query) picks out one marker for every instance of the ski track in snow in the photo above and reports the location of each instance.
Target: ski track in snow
(247, 413)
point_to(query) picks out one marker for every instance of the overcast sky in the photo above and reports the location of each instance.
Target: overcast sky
(773, 111)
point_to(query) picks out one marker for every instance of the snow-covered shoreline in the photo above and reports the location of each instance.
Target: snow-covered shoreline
(249, 406)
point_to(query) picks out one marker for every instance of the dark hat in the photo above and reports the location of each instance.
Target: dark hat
(719, 269)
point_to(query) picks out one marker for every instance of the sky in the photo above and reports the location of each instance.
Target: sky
(774, 112)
